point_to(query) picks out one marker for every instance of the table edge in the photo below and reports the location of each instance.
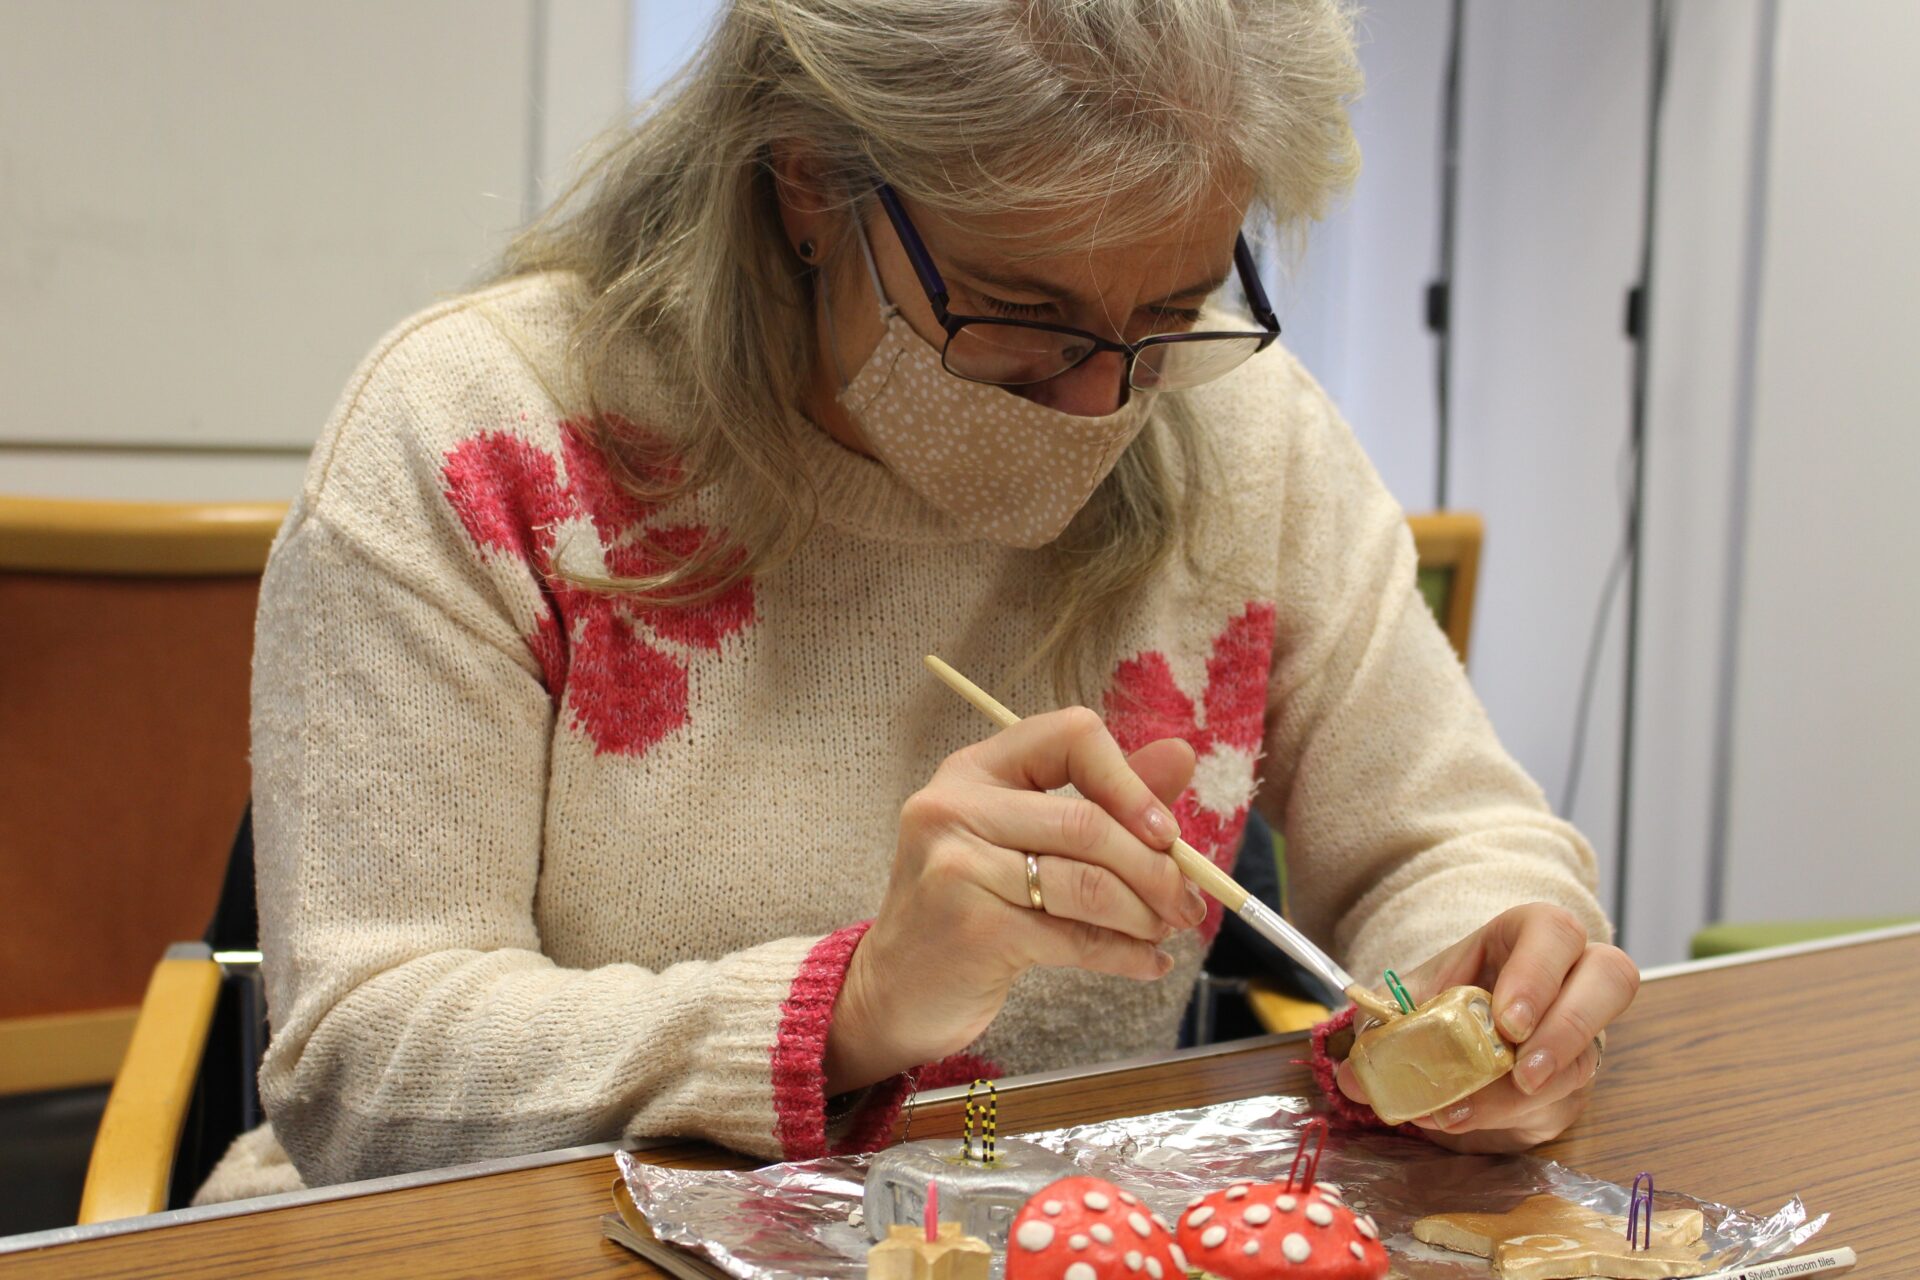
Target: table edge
(539, 1159)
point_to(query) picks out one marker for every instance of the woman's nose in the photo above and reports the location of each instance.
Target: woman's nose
(1090, 390)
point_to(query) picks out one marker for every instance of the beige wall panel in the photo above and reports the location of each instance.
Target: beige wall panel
(210, 209)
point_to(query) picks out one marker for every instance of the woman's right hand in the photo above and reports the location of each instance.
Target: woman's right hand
(956, 926)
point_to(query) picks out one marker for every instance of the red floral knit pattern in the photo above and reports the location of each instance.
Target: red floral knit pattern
(619, 669)
(1144, 702)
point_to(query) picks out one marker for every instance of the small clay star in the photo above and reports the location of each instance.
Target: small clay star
(1547, 1238)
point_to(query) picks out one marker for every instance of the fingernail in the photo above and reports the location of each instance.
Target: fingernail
(1196, 905)
(1162, 961)
(1458, 1115)
(1162, 825)
(1534, 1072)
(1517, 1021)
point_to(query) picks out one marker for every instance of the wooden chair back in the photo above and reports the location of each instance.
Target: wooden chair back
(126, 636)
(1448, 546)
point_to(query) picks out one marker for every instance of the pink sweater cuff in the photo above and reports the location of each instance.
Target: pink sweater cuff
(1345, 1110)
(799, 1061)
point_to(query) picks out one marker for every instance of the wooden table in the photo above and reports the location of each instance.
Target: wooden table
(1743, 1082)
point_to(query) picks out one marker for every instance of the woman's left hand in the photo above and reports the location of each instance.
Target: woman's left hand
(1554, 992)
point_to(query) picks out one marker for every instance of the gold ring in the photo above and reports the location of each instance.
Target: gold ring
(1033, 884)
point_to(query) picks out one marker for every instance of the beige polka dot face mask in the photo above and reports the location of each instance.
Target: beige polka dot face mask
(1005, 468)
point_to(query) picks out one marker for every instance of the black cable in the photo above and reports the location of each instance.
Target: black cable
(1640, 322)
(1440, 291)
(1638, 326)
(1596, 639)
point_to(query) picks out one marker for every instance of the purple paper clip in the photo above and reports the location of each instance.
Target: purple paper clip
(1645, 1223)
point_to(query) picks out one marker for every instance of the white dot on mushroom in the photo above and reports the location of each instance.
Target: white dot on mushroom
(1296, 1248)
(1034, 1236)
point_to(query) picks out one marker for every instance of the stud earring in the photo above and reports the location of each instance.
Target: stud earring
(806, 250)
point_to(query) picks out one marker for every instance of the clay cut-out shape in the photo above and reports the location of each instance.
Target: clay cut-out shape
(1547, 1238)
(907, 1254)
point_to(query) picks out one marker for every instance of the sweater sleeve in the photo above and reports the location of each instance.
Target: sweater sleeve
(401, 731)
(1407, 824)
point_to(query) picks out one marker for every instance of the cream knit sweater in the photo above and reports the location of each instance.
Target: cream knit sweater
(539, 868)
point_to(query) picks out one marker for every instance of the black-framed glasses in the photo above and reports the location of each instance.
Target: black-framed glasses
(1018, 353)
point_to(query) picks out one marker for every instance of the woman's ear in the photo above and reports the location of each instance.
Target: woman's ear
(805, 212)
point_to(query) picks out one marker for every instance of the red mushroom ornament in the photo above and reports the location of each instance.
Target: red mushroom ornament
(1296, 1230)
(1086, 1229)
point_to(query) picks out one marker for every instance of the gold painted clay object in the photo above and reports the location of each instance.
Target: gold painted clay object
(907, 1254)
(1547, 1238)
(1431, 1058)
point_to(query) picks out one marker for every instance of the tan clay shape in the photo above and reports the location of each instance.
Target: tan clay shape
(1431, 1058)
(907, 1254)
(1547, 1238)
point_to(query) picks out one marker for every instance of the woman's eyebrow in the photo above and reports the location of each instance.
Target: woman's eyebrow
(1016, 282)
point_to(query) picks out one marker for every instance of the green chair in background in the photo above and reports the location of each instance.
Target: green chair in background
(1732, 936)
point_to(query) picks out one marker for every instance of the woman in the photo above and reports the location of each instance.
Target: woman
(599, 789)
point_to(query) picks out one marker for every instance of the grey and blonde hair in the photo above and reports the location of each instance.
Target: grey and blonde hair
(1055, 108)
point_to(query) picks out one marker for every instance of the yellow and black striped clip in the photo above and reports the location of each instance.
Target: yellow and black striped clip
(986, 1115)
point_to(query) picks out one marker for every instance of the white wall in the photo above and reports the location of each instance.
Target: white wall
(1781, 452)
(665, 34)
(210, 210)
(1707, 270)
(1825, 809)
(1553, 154)
(1547, 244)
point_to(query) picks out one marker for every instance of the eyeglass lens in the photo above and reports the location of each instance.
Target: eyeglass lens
(1014, 355)
(1173, 366)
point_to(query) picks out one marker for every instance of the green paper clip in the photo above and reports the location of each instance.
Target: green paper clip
(1399, 992)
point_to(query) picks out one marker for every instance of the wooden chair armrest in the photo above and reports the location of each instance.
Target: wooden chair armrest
(1277, 1012)
(133, 1152)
